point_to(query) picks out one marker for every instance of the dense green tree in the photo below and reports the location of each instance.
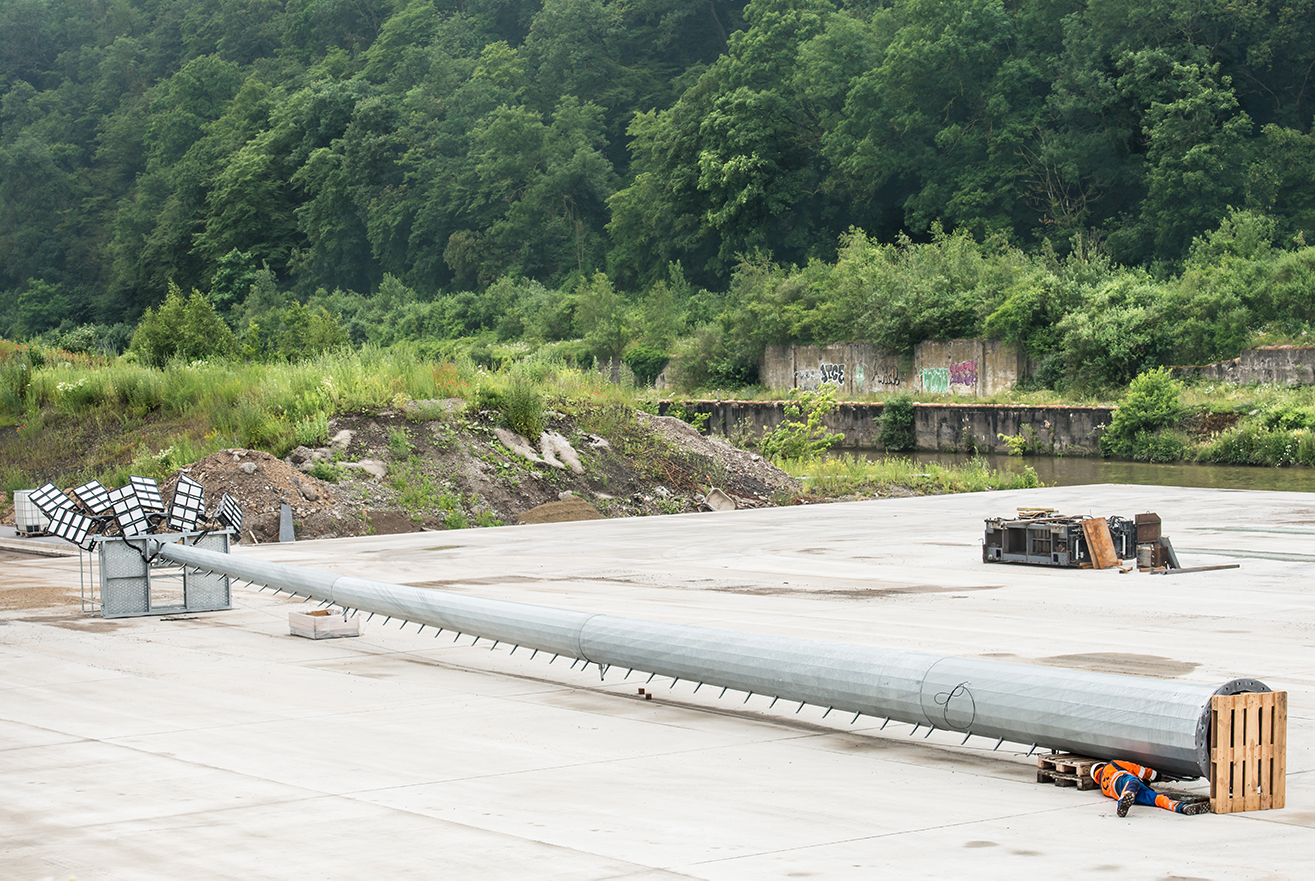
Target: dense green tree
(450, 144)
(183, 327)
(600, 317)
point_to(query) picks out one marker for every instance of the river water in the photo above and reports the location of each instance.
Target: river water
(1075, 471)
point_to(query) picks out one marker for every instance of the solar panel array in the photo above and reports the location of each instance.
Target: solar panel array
(129, 512)
(188, 505)
(50, 499)
(73, 526)
(133, 510)
(94, 496)
(230, 514)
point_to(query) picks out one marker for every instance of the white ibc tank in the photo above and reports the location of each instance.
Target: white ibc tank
(28, 520)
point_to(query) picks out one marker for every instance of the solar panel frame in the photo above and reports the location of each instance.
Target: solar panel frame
(148, 493)
(188, 505)
(94, 496)
(75, 527)
(230, 513)
(129, 512)
(49, 498)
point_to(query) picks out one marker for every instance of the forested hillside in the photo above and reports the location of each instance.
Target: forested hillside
(508, 166)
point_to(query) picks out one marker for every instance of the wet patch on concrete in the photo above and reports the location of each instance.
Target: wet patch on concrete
(35, 597)
(1123, 663)
(77, 621)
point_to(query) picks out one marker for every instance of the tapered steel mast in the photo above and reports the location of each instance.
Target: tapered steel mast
(1160, 723)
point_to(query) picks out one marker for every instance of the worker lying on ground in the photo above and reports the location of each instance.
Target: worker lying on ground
(1123, 781)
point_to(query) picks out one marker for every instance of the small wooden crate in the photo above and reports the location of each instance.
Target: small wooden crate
(1248, 752)
(323, 624)
(1063, 769)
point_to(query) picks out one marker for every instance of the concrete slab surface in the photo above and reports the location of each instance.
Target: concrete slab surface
(220, 746)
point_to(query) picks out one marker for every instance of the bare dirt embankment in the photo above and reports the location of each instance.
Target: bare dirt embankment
(392, 472)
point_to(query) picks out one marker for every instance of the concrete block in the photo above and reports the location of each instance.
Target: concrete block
(323, 624)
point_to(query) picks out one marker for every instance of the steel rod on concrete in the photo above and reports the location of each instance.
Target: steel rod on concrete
(1164, 724)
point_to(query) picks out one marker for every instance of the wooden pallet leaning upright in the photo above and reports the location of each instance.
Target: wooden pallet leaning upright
(1248, 751)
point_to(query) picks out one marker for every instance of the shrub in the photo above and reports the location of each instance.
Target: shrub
(1159, 446)
(311, 431)
(1287, 417)
(322, 469)
(1021, 444)
(1150, 405)
(896, 424)
(1253, 444)
(802, 435)
(182, 327)
(522, 409)
(685, 414)
(646, 362)
(399, 444)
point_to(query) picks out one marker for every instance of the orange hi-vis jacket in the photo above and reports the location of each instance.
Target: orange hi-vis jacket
(1105, 774)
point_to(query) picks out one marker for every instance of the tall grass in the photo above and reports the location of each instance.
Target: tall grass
(150, 420)
(849, 475)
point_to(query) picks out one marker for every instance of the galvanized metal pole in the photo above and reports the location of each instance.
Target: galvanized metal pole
(1164, 724)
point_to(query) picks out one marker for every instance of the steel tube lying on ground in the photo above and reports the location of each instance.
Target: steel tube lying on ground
(1164, 724)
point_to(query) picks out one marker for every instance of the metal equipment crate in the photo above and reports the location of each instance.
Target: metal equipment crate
(130, 585)
(1051, 540)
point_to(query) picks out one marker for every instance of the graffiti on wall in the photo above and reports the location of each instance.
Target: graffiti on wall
(811, 380)
(939, 379)
(889, 377)
(935, 379)
(963, 373)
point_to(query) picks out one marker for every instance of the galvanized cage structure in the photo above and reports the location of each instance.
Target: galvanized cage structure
(131, 583)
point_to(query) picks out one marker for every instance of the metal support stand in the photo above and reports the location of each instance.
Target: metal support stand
(132, 584)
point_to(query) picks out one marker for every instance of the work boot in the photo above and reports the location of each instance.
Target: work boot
(1197, 807)
(1125, 801)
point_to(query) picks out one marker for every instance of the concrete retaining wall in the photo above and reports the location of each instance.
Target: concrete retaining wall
(1051, 430)
(978, 368)
(1282, 365)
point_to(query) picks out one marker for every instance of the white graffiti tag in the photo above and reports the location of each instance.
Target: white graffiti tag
(834, 373)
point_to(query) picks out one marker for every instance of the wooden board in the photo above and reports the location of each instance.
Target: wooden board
(1100, 543)
(1248, 752)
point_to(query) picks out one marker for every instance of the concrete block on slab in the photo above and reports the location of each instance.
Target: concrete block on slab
(323, 624)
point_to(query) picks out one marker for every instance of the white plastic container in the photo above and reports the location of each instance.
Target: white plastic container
(28, 519)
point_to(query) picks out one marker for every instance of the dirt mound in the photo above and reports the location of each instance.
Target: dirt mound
(262, 484)
(747, 475)
(562, 511)
(454, 469)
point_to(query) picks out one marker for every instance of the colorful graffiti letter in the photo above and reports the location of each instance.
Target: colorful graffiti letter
(834, 373)
(963, 373)
(935, 379)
